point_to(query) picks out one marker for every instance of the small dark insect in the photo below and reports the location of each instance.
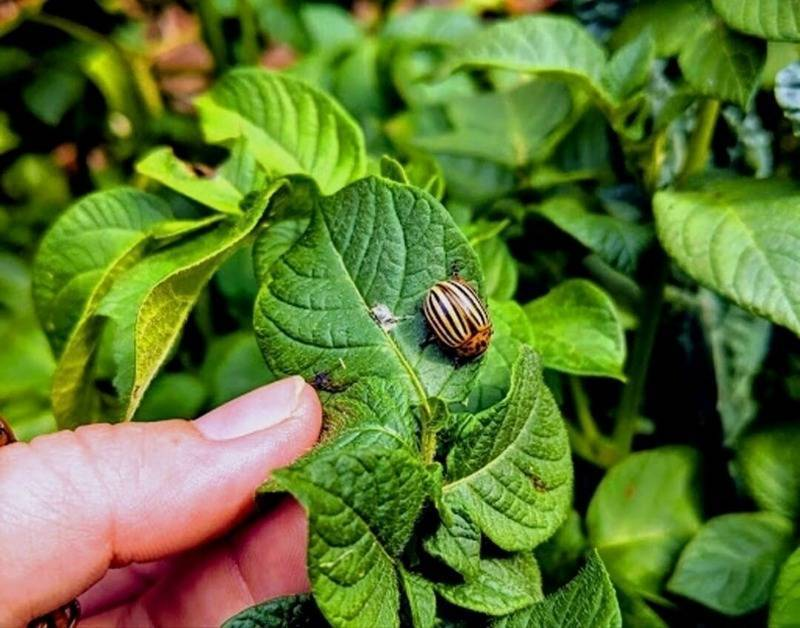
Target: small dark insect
(6, 433)
(322, 381)
(457, 318)
(65, 617)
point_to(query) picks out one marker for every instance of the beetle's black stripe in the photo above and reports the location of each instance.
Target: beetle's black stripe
(471, 304)
(450, 327)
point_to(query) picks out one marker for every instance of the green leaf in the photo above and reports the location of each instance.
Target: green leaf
(85, 251)
(216, 192)
(297, 611)
(373, 401)
(538, 44)
(457, 544)
(770, 19)
(421, 599)
(511, 331)
(722, 64)
(739, 342)
(86, 247)
(431, 26)
(243, 105)
(770, 468)
(617, 241)
(233, 366)
(374, 247)
(784, 608)
(576, 329)
(512, 128)
(499, 268)
(502, 586)
(173, 396)
(672, 22)
(733, 561)
(511, 473)
(738, 237)
(588, 600)
(363, 494)
(150, 303)
(274, 241)
(51, 94)
(629, 68)
(643, 512)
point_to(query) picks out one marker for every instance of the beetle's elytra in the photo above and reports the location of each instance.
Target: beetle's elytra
(457, 318)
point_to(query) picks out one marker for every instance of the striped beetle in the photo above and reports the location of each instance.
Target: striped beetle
(457, 318)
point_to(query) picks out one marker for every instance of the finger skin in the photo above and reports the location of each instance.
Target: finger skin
(209, 585)
(74, 504)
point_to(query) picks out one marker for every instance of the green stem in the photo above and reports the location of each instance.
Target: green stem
(582, 410)
(628, 413)
(211, 22)
(247, 24)
(700, 142)
(427, 444)
(73, 29)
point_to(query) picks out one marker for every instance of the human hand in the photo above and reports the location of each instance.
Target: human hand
(131, 517)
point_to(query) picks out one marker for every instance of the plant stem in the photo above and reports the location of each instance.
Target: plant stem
(700, 142)
(211, 22)
(582, 410)
(628, 413)
(247, 24)
(427, 442)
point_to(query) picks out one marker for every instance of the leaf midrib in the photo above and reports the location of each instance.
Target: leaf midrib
(423, 397)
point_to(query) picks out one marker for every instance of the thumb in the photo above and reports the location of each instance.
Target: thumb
(73, 504)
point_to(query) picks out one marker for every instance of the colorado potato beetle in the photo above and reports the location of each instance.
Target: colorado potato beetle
(457, 318)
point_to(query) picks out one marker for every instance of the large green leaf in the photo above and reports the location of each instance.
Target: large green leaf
(163, 166)
(149, 304)
(511, 128)
(374, 244)
(770, 468)
(502, 586)
(511, 471)
(722, 64)
(784, 608)
(538, 44)
(733, 561)
(618, 242)
(86, 250)
(576, 329)
(363, 493)
(643, 512)
(86, 247)
(511, 331)
(770, 19)
(291, 127)
(588, 600)
(738, 237)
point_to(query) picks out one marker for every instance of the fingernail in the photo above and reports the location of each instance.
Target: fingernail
(257, 410)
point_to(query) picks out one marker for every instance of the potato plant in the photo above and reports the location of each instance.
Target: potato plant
(615, 180)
